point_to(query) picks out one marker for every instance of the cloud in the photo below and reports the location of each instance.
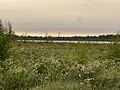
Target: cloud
(88, 15)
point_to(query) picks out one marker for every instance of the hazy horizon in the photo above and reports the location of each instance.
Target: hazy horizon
(69, 17)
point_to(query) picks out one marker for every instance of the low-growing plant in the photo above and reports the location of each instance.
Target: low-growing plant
(114, 52)
(49, 66)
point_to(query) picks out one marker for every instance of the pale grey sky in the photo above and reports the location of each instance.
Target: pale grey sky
(70, 17)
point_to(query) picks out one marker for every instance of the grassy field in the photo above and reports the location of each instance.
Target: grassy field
(52, 66)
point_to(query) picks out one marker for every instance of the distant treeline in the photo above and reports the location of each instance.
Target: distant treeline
(68, 38)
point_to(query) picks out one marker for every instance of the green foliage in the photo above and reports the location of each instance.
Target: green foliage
(114, 51)
(82, 55)
(40, 68)
(49, 66)
(4, 46)
(107, 76)
(4, 42)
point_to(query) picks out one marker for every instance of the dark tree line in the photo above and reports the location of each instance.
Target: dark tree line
(73, 38)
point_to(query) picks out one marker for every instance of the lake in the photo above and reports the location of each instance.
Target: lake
(63, 41)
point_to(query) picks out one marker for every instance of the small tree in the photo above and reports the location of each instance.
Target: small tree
(5, 38)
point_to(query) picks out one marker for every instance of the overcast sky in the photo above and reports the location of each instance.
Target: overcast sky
(70, 17)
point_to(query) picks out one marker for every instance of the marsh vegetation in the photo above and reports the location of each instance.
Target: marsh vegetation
(51, 66)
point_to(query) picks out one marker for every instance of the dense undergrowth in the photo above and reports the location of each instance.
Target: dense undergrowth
(50, 66)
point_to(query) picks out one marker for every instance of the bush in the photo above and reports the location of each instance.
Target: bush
(114, 52)
(5, 37)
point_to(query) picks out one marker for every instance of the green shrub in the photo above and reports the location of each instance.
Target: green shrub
(114, 52)
(82, 55)
(5, 37)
